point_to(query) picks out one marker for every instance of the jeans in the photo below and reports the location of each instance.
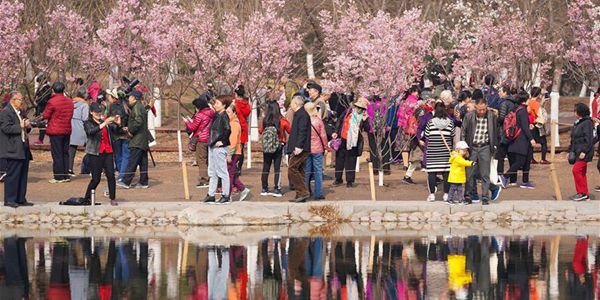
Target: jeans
(125, 154)
(579, 175)
(483, 157)
(297, 175)
(217, 169)
(275, 160)
(234, 178)
(59, 145)
(117, 146)
(139, 158)
(432, 181)
(457, 192)
(314, 169)
(98, 163)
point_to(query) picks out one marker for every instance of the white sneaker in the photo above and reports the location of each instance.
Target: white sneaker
(431, 198)
(244, 194)
(445, 197)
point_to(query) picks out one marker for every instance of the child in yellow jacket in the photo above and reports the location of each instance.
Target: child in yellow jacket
(458, 173)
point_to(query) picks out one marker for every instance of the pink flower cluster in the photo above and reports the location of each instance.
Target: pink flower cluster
(16, 42)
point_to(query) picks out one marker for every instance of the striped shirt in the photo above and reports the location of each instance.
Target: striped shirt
(438, 154)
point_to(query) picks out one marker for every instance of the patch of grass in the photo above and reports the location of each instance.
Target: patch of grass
(329, 213)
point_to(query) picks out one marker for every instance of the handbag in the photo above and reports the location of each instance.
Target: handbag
(494, 178)
(572, 158)
(335, 144)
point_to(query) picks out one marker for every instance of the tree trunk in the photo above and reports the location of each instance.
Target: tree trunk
(310, 66)
(584, 88)
(554, 101)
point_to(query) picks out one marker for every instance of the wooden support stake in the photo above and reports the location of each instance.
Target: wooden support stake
(371, 254)
(372, 181)
(184, 257)
(555, 182)
(553, 139)
(186, 188)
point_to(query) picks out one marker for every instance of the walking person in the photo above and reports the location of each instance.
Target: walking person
(298, 149)
(220, 130)
(480, 132)
(274, 131)
(520, 149)
(200, 128)
(581, 149)
(99, 148)
(406, 109)
(318, 146)
(59, 113)
(537, 119)
(242, 110)
(234, 151)
(350, 126)
(42, 96)
(138, 144)
(438, 141)
(78, 137)
(507, 104)
(14, 148)
(458, 174)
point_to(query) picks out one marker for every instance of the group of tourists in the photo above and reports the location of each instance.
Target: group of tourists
(460, 136)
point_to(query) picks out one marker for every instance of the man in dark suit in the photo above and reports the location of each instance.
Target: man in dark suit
(14, 147)
(299, 149)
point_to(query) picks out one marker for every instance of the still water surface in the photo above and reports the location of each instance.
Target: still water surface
(468, 267)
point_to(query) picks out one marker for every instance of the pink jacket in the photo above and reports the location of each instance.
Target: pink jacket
(406, 109)
(318, 136)
(200, 125)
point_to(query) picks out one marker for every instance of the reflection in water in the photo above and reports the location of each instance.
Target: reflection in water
(472, 267)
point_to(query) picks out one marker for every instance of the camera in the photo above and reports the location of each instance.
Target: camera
(125, 90)
(39, 123)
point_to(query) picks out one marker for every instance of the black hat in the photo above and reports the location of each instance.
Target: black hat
(95, 107)
(137, 95)
(314, 85)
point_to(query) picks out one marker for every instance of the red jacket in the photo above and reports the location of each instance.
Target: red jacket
(59, 113)
(200, 126)
(243, 110)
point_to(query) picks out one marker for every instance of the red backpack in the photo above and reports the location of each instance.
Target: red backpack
(510, 127)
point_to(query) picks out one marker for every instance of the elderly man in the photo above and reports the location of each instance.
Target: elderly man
(298, 149)
(14, 147)
(480, 131)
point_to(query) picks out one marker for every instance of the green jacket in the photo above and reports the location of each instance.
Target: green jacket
(138, 127)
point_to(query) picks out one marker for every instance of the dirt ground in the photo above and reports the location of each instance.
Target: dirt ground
(166, 183)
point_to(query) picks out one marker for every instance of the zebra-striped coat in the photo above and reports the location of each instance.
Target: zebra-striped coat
(438, 152)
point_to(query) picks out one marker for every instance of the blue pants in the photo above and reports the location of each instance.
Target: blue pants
(314, 169)
(456, 193)
(125, 154)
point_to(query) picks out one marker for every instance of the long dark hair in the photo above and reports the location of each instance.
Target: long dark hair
(440, 111)
(272, 115)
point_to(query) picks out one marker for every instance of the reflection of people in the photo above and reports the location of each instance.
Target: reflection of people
(218, 269)
(580, 284)
(59, 273)
(16, 283)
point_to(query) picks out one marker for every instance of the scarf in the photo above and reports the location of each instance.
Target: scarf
(353, 130)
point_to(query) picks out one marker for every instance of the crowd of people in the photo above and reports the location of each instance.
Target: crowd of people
(461, 136)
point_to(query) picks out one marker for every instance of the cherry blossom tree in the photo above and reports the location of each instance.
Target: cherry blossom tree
(15, 41)
(584, 18)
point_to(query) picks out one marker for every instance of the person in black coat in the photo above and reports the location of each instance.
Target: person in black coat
(298, 149)
(582, 146)
(346, 156)
(507, 104)
(14, 147)
(520, 151)
(42, 96)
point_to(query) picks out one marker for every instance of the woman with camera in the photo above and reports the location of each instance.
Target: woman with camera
(581, 150)
(100, 150)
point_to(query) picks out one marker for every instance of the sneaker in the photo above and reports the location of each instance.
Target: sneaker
(475, 198)
(597, 188)
(202, 185)
(408, 180)
(485, 201)
(72, 174)
(445, 197)
(338, 183)
(54, 181)
(544, 162)
(450, 202)
(244, 194)
(224, 200)
(67, 180)
(122, 185)
(105, 193)
(209, 199)
(580, 197)
(141, 186)
(265, 192)
(277, 193)
(527, 185)
(2, 177)
(350, 185)
(512, 184)
(431, 198)
(502, 180)
(496, 193)
(319, 198)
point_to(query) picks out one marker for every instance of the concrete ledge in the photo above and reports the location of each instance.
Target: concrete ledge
(506, 213)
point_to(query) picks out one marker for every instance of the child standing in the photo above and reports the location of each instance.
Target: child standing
(458, 173)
